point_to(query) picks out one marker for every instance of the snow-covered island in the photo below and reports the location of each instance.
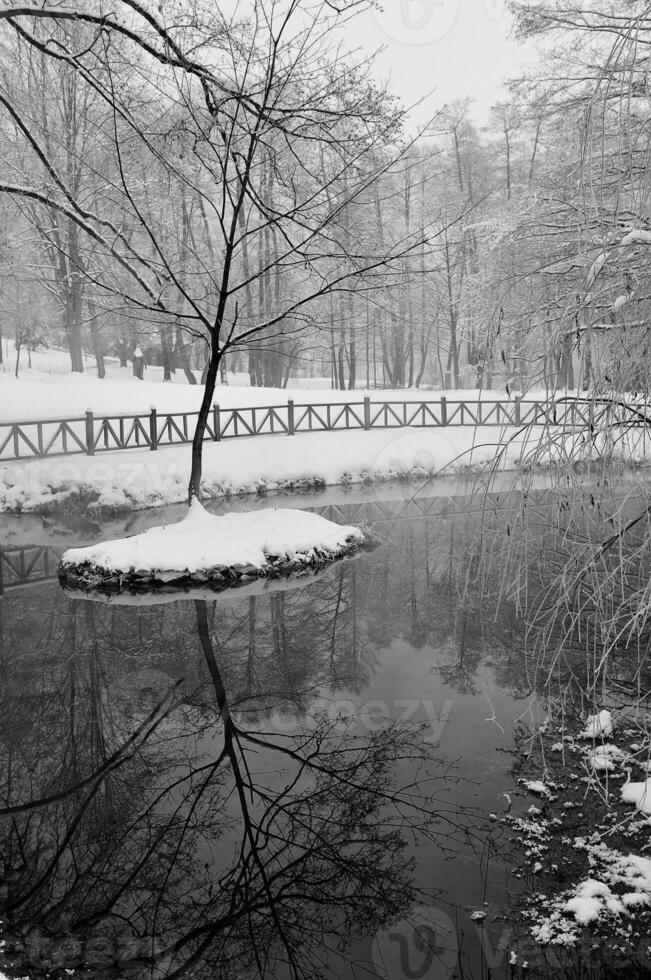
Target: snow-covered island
(216, 551)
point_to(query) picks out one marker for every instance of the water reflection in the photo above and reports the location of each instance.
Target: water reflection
(253, 787)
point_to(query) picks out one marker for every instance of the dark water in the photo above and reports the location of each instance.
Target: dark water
(278, 783)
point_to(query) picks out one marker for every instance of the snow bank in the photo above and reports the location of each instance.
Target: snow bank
(218, 550)
(138, 479)
(639, 794)
(538, 787)
(618, 883)
(606, 758)
(620, 302)
(637, 236)
(628, 445)
(598, 725)
(609, 896)
(596, 267)
(592, 898)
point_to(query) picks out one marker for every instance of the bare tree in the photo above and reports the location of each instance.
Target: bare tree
(258, 99)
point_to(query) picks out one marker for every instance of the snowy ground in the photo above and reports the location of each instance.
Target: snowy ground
(134, 479)
(49, 391)
(583, 842)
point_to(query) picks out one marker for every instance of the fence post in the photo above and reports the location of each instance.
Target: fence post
(90, 434)
(444, 410)
(518, 399)
(367, 413)
(290, 417)
(216, 424)
(153, 429)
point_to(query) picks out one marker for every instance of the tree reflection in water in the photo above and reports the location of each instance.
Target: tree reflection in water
(180, 824)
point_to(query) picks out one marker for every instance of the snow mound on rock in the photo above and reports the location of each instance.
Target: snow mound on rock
(203, 541)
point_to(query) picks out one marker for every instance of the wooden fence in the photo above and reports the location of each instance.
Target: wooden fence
(90, 434)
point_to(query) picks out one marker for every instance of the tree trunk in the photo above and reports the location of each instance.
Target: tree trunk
(288, 367)
(368, 352)
(352, 363)
(398, 348)
(97, 345)
(74, 297)
(424, 351)
(166, 351)
(352, 346)
(194, 486)
(567, 367)
(122, 351)
(341, 372)
(587, 365)
(180, 352)
(19, 342)
(255, 367)
(333, 346)
(507, 141)
(73, 335)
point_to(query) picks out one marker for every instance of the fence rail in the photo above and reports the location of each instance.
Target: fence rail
(90, 434)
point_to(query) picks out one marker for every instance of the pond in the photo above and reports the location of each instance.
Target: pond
(296, 781)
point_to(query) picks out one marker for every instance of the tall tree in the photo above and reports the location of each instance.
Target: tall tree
(250, 98)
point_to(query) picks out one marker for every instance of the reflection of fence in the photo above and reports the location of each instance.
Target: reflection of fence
(419, 507)
(27, 564)
(30, 564)
(90, 434)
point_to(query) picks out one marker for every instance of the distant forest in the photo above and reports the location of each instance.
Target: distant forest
(242, 193)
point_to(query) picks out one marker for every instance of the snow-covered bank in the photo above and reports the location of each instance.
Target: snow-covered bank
(217, 551)
(136, 479)
(585, 849)
(117, 482)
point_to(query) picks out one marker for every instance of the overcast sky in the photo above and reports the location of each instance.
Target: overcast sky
(458, 48)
